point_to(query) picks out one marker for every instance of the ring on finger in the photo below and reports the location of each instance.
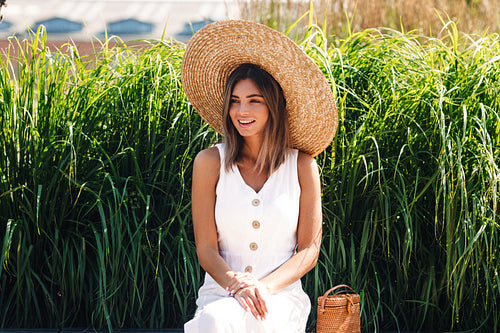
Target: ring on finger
(237, 292)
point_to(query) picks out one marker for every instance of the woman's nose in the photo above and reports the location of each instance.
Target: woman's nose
(243, 109)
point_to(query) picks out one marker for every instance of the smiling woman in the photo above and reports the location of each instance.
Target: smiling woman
(256, 199)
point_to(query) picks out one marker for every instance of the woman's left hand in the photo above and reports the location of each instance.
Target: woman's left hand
(252, 298)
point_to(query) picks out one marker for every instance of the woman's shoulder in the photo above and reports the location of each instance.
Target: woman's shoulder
(305, 159)
(209, 158)
(206, 167)
(306, 164)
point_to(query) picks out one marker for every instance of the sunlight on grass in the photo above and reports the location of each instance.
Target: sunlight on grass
(95, 174)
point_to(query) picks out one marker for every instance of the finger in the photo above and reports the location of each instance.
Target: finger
(234, 284)
(254, 302)
(245, 274)
(248, 303)
(240, 281)
(259, 307)
(236, 287)
(241, 300)
(253, 308)
(262, 301)
(233, 288)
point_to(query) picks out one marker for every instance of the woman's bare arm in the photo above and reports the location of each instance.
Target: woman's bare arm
(205, 177)
(308, 232)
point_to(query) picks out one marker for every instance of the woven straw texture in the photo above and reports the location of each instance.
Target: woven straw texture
(338, 313)
(217, 49)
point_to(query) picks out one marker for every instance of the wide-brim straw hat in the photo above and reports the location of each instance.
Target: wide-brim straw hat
(219, 48)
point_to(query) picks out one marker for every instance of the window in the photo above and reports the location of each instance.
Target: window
(5, 25)
(59, 25)
(129, 26)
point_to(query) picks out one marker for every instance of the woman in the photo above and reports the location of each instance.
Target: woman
(256, 198)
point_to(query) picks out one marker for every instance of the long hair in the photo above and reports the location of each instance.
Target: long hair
(276, 134)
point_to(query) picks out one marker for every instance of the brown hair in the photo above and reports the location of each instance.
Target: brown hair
(276, 134)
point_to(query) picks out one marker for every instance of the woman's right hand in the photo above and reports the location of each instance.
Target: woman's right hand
(239, 281)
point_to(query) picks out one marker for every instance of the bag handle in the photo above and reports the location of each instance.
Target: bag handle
(323, 298)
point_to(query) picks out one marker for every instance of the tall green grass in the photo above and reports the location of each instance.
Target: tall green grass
(411, 200)
(95, 158)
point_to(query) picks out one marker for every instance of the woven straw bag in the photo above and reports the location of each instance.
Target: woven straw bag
(338, 313)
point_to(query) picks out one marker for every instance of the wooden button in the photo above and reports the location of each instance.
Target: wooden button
(256, 224)
(248, 269)
(253, 246)
(255, 202)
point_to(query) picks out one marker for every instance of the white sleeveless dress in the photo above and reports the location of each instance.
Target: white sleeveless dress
(257, 233)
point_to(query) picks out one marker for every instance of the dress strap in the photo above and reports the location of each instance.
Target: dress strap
(221, 147)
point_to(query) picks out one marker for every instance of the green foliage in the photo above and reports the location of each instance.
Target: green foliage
(96, 152)
(410, 203)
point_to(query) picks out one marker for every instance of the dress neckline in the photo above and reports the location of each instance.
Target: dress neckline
(236, 170)
(268, 180)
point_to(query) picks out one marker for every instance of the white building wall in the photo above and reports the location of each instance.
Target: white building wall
(96, 14)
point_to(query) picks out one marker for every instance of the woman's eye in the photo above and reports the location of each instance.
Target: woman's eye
(233, 101)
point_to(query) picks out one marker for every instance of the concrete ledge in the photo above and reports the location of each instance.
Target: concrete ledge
(89, 330)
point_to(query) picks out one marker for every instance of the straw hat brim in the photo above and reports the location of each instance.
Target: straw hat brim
(219, 48)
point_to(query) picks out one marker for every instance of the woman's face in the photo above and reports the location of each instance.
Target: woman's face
(248, 109)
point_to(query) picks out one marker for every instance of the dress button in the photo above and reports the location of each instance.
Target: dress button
(248, 269)
(253, 246)
(256, 224)
(255, 202)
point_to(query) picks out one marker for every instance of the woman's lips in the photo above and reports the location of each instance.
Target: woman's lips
(246, 123)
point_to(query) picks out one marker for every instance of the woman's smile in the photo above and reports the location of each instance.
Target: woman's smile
(245, 123)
